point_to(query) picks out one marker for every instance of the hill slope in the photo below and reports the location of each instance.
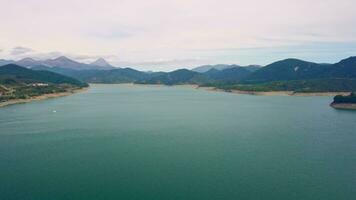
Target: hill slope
(24, 75)
(289, 69)
(119, 75)
(230, 74)
(181, 76)
(220, 67)
(294, 69)
(21, 83)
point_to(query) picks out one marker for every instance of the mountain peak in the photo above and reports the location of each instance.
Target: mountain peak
(27, 60)
(205, 68)
(101, 62)
(349, 59)
(62, 58)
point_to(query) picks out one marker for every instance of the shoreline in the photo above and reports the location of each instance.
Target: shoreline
(213, 89)
(42, 97)
(275, 93)
(344, 106)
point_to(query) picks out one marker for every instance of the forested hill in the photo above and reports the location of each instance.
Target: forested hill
(21, 83)
(17, 74)
(294, 69)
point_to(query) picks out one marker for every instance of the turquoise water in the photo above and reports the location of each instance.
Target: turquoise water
(145, 142)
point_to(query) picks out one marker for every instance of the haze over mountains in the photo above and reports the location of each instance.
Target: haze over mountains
(101, 62)
(14, 74)
(205, 68)
(287, 70)
(62, 62)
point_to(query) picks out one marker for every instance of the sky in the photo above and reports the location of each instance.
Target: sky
(168, 34)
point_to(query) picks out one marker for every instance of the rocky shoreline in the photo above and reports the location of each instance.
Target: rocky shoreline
(275, 93)
(344, 106)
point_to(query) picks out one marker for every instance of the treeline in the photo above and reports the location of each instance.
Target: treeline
(345, 99)
(318, 85)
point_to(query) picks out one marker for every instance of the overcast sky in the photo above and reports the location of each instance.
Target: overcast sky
(167, 34)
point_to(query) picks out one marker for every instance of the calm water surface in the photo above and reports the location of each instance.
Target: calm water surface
(151, 143)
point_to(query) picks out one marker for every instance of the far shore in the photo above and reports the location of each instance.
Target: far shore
(257, 93)
(213, 89)
(276, 93)
(41, 97)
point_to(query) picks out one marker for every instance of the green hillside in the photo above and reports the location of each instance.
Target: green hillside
(314, 85)
(181, 76)
(20, 83)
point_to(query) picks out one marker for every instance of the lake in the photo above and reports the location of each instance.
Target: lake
(155, 142)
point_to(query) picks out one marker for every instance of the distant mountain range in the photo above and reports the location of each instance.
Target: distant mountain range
(221, 67)
(62, 62)
(281, 75)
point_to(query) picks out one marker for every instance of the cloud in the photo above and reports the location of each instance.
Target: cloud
(20, 50)
(140, 31)
(116, 32)
(162, 64)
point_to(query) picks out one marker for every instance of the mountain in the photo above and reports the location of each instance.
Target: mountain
(117, 75)
(18, 74)
(253, 68)
(128, 75)
(294, 74)
(122, 75)
(101, 62)
(294, 69)
(5, 62)
(288, 69)
(229, 74)
(28, 62)
(65, 62)
(180, 76)
(205, 68)
(346, 68)
(62, 62)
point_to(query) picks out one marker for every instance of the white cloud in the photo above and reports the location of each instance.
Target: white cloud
(20, 50)
(147, 30)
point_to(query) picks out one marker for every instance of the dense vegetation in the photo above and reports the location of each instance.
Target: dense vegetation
(345, 99)
(119, 75)
(181, 76)
(16, 73)
(317, 85)
(21, 83)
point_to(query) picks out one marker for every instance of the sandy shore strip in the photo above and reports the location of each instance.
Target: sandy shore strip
(276, 93)
(163, 85)
(344, 106)
(213, 89)
(42, 97)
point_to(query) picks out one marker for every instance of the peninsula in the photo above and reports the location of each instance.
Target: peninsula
(344, 102)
